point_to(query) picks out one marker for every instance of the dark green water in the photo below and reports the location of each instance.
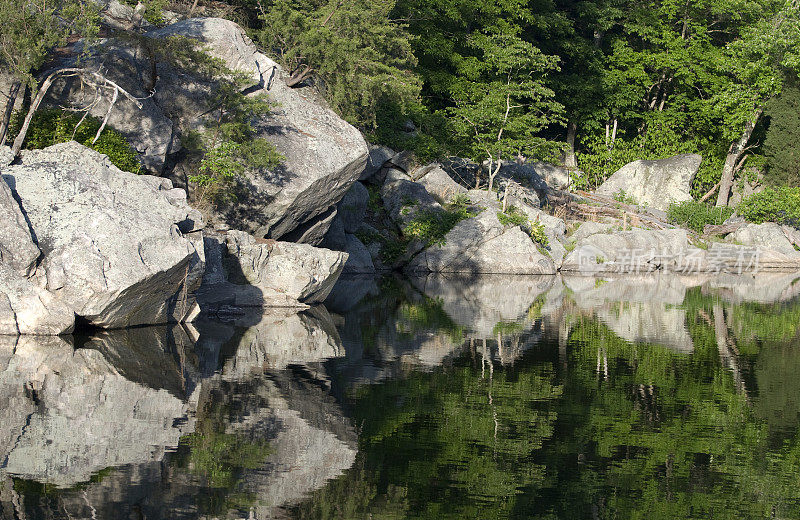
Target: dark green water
(646, 397)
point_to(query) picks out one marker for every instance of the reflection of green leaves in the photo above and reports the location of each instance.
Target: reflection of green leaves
(449, 448)
(429, 314)
(507, 327)
(220, 456)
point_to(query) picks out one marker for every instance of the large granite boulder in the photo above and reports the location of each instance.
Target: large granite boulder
(378, 155)
(483, 245)
(119, 247)
(359, 260)
(655, 184)
(17, 249)
(27, 309)
(632, 251)
(324, 155)
(243, 271)
(129, 63)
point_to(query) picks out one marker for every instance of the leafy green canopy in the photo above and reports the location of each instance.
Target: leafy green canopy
(361, 59)
(484, 83)
(782, 143)
(33, 28)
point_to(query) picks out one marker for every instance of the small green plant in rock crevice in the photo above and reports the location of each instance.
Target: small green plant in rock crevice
(431, 226)
(624, 198)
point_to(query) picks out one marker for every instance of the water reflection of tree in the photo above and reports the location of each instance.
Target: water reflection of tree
(634, 431)
(446, 443)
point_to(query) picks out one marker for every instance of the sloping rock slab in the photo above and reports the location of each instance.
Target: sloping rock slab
(655, 183)
(438, 183)
(17, 249)
(27, 309)
(482, 245)
(114, 242)
(324, 154)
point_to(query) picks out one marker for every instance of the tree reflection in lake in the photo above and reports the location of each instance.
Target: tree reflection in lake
(529, 397)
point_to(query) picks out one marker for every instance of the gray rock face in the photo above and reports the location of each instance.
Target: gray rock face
(313, 231)
(767, 236)
(377, 156)
(17, 249)
(359, 261)
(27, 309)
(483, 245)
(6, 157)
(589, 228)
(353, 206)
(268, 273)
(115, 243)
(655, 183)
(404, 198)
(627, 251)
(324, 154)
(437, 182)
(335, 238)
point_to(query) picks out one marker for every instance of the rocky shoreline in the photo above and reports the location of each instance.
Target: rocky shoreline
(86, 244)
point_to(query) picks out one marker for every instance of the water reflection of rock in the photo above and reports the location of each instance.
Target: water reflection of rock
(274, 338)
(71, 413)
(639, 309)
(480, 303)
(121, 403)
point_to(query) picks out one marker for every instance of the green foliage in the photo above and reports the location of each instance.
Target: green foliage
(696, 215)
(624, 198)
(432, 226)
(507, 328)
(428, 315)
(393, 250)
(32, 28)
(51, 126)
(782, 143)
(360, 56)
(781, 205)
(153, 10)
(512, 217)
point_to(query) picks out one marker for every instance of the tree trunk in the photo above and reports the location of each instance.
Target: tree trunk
(17, 146)
(12, 100)
(570, 160)
(734, 153)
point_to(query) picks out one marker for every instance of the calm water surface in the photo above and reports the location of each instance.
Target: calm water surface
(631, 397)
